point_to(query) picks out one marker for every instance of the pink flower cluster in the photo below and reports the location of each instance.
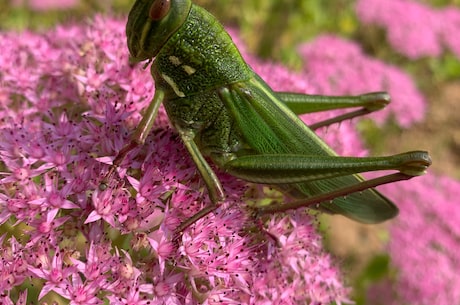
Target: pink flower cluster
(413, 28)
(68, 102)
(425, 240)
(337, 66)
(42, 5)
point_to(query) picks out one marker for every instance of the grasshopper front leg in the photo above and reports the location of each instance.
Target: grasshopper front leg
(140, 134)
(213, 185)
(215, 190)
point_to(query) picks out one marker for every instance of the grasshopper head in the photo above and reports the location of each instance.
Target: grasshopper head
(151, 23)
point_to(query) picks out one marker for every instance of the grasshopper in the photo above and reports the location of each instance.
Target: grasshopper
(224, 112)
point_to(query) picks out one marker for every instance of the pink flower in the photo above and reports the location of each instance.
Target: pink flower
(13, 265)
(47, 228)
(22, 299)
(80, 292)
(53, 272)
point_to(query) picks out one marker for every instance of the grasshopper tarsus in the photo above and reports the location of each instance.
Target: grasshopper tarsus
(191, 220)
(375, 100)
(416, 163)
(121, 155)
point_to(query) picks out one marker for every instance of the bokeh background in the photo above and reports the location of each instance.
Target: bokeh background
(273, 30)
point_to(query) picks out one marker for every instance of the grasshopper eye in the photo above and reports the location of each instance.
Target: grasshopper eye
(159, 9)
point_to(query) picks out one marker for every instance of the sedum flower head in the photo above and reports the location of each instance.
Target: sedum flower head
(43, 5)
(414, 29)
(425, 240)
(69, 101)
(337, 66)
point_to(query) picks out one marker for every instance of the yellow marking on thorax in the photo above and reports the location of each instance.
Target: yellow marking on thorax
(173, 85)
(189, 70)
(175, 60)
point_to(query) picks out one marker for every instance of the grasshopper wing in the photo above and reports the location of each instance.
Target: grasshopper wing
(268, 128)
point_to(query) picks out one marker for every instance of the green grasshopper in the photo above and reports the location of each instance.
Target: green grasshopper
(223, 111)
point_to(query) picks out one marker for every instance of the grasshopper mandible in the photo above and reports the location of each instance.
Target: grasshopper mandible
(225, 112)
